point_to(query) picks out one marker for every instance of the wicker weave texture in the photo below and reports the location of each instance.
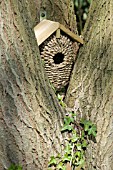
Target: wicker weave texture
(59, 56)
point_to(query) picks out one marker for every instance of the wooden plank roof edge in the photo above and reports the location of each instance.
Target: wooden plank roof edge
(44, 29)
(71, 34)
(63, 28)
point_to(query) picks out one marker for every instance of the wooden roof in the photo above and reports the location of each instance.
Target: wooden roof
(46, 28)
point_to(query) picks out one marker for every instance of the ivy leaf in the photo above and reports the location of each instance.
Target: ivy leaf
(68, 148)
(58, 156)
(77, 154)
(64, 168)
(12, 167)
(62, 103)
(66, 158)
(52, 161)
(87, 125)
(66, 127)
(83, 121)
(61, 166)
(15, 167)
(59, 97)
(84, 144)
(74, 138)
(19, 168)
(82, 134)
(92, 131)
(79, 146)
(72, 114)
(81, 162)
(68, 120)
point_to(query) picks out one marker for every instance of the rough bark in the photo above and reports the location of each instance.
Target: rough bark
(60, 11)
(30, 116)
(91, 86)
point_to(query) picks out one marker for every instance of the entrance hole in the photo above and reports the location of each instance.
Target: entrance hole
(58, 58)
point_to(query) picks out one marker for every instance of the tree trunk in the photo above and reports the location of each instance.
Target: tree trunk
(91, 86)
(30, 116)
(60, 11)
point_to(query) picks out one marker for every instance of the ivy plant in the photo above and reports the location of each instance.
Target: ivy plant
(76, 143)
(15, 167)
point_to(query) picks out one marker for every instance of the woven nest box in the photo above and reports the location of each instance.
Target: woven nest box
(58, 48)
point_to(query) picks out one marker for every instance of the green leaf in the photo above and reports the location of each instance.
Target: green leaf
(74, 138)
(64, 168)
(87, 124)
(68, 149)
(58, 156)
(72, 114)
(59, 97)
(66, 158)
(12, 167)
(81, 162)
(52, 161)
(79, 146)
(60, 166)
(62, 104)
(19, 168)
(84, 143)
(66, 128)
(77, 154)
(83, 121)
(89, 127)
(92, 131)
(61, 100)
(82, 134)
(68, 120)
(15, 167)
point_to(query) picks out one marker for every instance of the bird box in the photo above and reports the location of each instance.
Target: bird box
(58, 48)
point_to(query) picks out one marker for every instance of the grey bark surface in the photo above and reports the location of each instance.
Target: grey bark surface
(91, 87)
(61, 11)
(30, 116)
